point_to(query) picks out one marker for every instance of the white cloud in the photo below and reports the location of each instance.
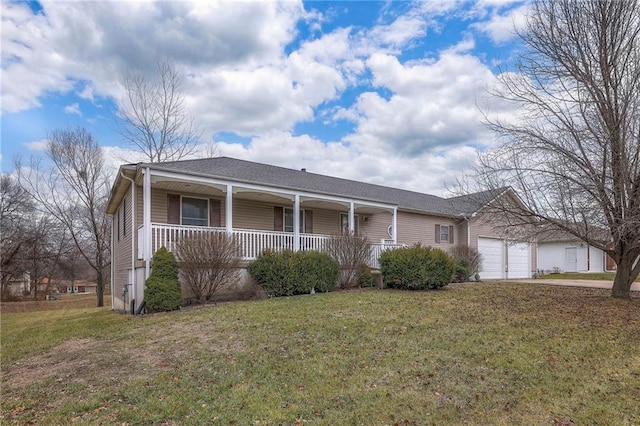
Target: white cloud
(38, 146)
(95, 41)
(432, 106)
(427, 172)
(73, 108)
(275, 96)
(502, 27)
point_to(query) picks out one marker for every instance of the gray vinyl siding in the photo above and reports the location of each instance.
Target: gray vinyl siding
(375, 228)
(122, 247)
(326, 222)
(415, 228)
(249, 214)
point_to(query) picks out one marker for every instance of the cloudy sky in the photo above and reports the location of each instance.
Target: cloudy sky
(383, 92)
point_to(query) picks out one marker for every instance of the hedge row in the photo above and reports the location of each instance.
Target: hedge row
(288, 272)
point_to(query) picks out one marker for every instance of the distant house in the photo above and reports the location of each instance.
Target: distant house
(273, 207)
(76, 286)
(20, 286)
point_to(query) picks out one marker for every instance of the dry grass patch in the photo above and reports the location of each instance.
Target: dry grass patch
(470, 354)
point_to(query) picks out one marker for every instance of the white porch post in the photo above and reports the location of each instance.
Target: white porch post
(296, 222)
(146, 220)
(229, 209)
(394, 225)
(352, 221)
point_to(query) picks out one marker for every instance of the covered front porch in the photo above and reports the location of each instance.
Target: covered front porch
(259, 217)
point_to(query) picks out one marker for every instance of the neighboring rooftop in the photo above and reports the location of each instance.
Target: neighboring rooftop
(259, 173)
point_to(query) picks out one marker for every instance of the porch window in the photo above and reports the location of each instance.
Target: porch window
(344, 223)
(195, 211)
(288, 220)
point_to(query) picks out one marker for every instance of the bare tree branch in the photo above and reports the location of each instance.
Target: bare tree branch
(155, 119)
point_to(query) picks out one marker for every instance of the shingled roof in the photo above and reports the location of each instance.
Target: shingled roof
(258, 173)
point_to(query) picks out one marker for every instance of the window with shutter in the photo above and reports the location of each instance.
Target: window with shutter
(444, 234)
(195, 211)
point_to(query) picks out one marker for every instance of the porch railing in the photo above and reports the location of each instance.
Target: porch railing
(251, 242)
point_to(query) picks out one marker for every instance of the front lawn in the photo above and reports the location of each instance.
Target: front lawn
(469, 354)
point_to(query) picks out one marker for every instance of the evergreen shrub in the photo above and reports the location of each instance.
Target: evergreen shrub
(288, 273)
(416, 268)
(162, 291)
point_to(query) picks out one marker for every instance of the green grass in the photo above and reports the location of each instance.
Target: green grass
(470, 354)
(597, 276)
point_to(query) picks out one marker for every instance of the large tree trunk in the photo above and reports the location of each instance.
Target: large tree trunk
(100, 288)
(625, 275)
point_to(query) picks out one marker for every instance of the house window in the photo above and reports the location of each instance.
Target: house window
(444, 234)
(288, 220)
(344, 223)
(195, 211)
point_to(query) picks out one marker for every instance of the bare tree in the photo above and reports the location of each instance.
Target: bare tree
(573, 151)
(75, 192)
(351, 251)
(154, 118)
(208, 263)
(48, 242)
(16, 209)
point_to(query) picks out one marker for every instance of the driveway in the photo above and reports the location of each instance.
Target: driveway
(579, 283)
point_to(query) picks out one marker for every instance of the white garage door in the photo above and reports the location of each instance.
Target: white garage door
(519, 256)
(492, 257)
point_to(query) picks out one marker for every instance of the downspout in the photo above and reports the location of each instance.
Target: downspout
(146, 221)
(134, 287)
(113, 269)
(466, 218)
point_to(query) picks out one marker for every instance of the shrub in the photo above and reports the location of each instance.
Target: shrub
(162, 291)
(350, 251)
(365, 277)
(208, 263)
(416, 268)
(467, 263)
(288, 273)
(316, 270)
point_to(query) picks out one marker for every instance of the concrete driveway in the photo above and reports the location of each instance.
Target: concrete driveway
(579, 283)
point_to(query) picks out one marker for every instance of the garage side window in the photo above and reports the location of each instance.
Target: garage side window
(444, 234)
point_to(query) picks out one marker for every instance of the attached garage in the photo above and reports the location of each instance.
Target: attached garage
(492, 254)
(504, 259)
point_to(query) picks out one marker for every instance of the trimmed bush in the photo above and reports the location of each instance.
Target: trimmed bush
(416, 268)
(162, 291)
(317, 270)
(289, 273)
